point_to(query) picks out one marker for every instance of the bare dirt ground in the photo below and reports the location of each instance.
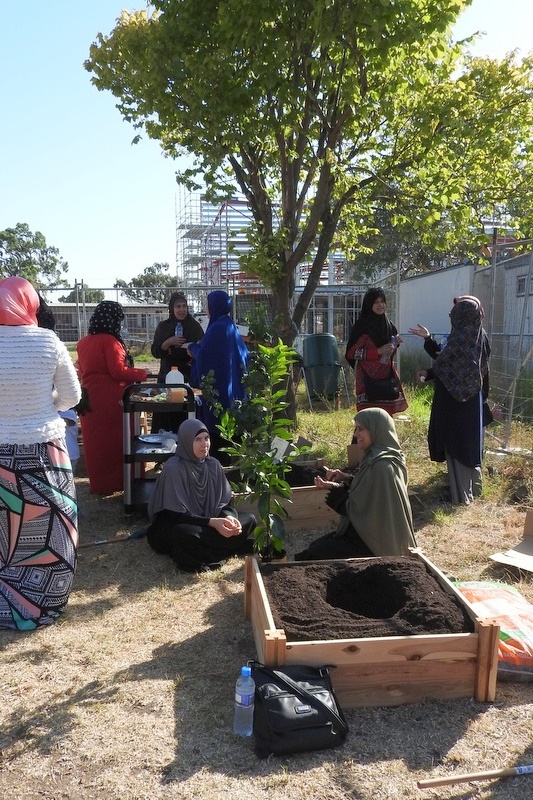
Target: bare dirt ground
(129, 696)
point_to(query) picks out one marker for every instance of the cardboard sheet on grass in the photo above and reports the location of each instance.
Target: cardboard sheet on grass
(506, 606)
(520, 556)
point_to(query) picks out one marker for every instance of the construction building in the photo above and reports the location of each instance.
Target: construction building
(211, 238)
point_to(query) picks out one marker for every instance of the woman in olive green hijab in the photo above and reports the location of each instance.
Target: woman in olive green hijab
(376, 516)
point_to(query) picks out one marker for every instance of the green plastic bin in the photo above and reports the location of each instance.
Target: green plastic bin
(321, 364)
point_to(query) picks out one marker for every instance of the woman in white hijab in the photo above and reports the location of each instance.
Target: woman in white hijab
(190, 516)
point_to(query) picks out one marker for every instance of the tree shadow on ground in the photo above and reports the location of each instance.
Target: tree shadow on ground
(204, 669)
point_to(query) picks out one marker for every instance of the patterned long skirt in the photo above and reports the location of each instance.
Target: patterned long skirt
(38, 533)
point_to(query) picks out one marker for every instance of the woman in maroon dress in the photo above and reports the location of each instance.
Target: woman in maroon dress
(370, 350)
(105, 368)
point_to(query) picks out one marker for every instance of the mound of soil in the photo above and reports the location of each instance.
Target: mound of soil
(365, 598)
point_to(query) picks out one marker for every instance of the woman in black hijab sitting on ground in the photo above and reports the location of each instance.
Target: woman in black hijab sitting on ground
(190, 516)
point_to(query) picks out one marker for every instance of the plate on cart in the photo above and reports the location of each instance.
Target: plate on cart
(151, 439)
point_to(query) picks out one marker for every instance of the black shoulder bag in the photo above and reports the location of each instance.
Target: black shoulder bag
(381, 389)
(295, 710)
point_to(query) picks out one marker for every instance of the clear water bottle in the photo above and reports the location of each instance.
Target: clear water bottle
(243, 719)
(178, 330)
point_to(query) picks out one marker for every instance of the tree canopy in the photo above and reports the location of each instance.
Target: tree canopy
(153, 285)
(321, 112)
(89, 295)
(26, 254)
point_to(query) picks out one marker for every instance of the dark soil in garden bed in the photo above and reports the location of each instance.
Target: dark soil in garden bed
(360, 599)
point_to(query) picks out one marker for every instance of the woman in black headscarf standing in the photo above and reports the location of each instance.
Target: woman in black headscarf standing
(370, 350)
(459, 410)
(170, 336)
(167, 345)
(191, 519)
(105, 368)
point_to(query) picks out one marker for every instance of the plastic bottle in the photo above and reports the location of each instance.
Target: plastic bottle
(173, 377)
(243, 720)
(178, 330)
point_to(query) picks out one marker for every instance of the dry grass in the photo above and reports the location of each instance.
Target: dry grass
(129, 696)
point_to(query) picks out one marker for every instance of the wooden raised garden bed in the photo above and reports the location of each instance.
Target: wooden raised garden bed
(307, 510)
(387, 670)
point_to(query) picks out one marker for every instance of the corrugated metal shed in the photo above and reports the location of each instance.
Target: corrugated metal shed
(427, 299)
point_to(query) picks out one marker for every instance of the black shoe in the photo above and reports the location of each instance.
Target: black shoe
(213, 566)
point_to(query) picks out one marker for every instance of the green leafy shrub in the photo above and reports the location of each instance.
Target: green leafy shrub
(251, 429)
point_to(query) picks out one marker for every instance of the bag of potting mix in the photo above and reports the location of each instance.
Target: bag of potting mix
(513, 613)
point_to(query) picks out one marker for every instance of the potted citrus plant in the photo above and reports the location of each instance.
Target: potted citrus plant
(254, 429)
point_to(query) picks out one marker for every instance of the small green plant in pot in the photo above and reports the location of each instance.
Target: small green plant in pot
(254, 430)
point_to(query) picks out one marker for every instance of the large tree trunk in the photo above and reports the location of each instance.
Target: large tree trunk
(284, 329)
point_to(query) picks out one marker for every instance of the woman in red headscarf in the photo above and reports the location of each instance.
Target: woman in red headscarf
(38, 510)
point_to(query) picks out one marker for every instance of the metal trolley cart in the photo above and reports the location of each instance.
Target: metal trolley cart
(139, 449)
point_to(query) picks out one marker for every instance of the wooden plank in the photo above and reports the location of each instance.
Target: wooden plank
(453, 647)
(397, 684)
(248, 587)
(487, 661)
(308, 509)
(274, 648)
(259, 600)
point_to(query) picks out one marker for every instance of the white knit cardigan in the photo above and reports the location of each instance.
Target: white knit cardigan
(37, 379)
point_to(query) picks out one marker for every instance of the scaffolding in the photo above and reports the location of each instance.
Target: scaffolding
(210, 239)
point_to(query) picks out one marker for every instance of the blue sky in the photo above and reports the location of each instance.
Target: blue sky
(68, 166)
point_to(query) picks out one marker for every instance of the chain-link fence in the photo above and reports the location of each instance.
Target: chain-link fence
(334, 309)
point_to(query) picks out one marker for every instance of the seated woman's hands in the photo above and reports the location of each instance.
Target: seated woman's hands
(320, 483)
(226, 526)
(333, 477)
